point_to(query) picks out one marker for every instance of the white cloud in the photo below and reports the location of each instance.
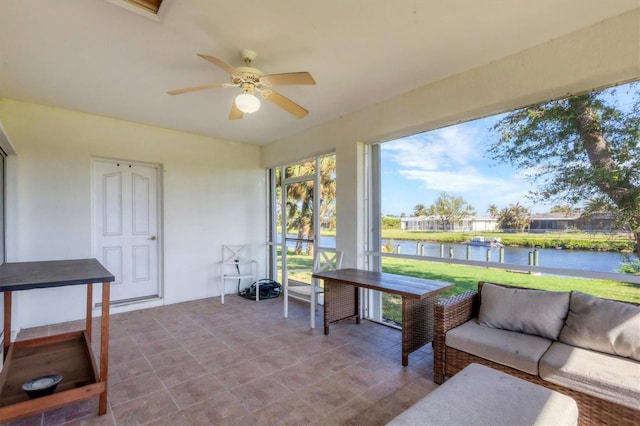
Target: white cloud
(454, 181)
(451, 147)
(451, 160)
(443, 160)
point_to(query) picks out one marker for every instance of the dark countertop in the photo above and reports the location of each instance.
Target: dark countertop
(16, 276)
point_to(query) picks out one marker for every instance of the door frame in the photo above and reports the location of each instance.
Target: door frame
(160, 231)
(284, 183)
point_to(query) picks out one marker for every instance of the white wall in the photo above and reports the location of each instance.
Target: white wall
(213, 193)
(601, 55)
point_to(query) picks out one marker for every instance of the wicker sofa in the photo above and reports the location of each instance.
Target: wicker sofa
(585, 347)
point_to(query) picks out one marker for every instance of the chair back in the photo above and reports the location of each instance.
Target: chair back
(327, 260)
(236, 253)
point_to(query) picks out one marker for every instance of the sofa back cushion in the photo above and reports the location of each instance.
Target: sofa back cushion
(537, 312)
(603, 325)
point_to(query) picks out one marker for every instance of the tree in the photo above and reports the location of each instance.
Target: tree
(388, 222)
(328, 190)
(515, 216)
(584, 149)
(300, 198)
(300, 204)
(419, 210)
(567, 209)
(493, 210)
(450, 210)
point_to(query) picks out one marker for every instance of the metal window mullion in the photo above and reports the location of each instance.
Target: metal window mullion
(297, 179)
(373, 304)
(272, 271)
(316, 205)
(374, 214)
(283, 246)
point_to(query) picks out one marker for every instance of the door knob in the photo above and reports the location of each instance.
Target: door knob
(152, 238)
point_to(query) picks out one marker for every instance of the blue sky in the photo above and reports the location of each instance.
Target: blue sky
(416, 169)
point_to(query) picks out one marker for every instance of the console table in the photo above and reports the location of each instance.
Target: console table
(342, 300)
(68, 354)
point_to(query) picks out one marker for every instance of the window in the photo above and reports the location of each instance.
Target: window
(446, 205)
(302, 216)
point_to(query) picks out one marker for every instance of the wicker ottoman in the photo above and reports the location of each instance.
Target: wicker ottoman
(480, 395)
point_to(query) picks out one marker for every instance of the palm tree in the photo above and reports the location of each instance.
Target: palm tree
(300, 198)
(300, 201)
(419, 210)
(516, 216)
(328, 188)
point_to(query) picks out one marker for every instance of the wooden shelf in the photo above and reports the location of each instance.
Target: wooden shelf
(68, 354)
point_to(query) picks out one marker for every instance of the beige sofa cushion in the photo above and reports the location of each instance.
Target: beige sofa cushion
(480, 395)
(603, 325)
(513, 349)
(537, 312)
(604, 376)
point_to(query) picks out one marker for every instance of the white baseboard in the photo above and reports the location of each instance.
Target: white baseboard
(118, 308)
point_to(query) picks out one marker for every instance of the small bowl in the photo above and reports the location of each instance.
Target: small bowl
(42, 386)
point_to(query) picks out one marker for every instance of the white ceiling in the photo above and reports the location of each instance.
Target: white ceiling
(95, 57)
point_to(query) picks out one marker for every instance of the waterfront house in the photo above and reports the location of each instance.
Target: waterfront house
(561, 222)
(432, 223)
(83, 92)
(544, 222)
(540, 222)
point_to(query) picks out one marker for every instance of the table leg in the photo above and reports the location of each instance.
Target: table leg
(89, 322)
(341, 301)
(7, 323)
(356, 303)
(104, 346)
(327, 300)
(417, 325)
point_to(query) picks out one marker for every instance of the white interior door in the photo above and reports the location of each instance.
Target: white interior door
(125, 227)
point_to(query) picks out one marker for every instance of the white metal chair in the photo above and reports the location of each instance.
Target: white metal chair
(237, 265)
(324, 260)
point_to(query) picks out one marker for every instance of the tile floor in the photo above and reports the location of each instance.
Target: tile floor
(242, 363)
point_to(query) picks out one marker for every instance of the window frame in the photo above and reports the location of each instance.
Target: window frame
(375, 205)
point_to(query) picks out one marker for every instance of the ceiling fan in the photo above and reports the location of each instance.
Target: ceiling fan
(251, 80)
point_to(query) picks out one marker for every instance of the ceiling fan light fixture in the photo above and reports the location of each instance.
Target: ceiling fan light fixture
(250, 80)
(247, 103)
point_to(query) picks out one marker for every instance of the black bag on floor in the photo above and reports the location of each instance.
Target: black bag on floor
(269, 289)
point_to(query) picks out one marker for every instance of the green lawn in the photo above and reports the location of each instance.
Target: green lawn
(466, 278)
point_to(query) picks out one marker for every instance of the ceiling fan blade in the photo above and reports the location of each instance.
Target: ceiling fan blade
(289, 78)
(219, 62)
(286, 104)
(235, 113)
(194, 89)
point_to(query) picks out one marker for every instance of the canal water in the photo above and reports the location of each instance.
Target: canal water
(551, 258)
